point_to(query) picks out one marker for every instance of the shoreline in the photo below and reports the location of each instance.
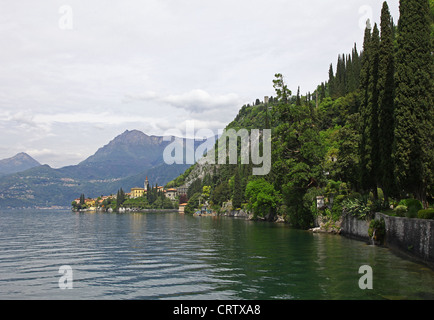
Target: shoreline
(126, 210)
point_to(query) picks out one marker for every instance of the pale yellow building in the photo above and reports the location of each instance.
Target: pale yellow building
(90, 202)
(137, 192)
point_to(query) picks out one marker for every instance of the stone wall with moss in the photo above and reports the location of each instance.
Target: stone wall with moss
(413, 237)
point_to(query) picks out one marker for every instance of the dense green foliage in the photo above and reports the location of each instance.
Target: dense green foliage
(264, 199)
(363, 139)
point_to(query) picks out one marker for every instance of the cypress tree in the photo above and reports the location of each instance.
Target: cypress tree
(120, 198)
(322, 93)
(364, 68)
(331, 82)
(340, 80)
(372, 110)
(350, 75)
(364, 88)
(414, 128)
(82, 199)
(386, 87)
(355, 58)
(298, 99)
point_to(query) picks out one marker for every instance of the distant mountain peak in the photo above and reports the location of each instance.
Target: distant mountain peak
(23, 155)
(133, 132)
(20, 156)
(136, 138)
(20, 162)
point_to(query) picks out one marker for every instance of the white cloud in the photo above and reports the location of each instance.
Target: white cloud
(152, 65)
(196, 100)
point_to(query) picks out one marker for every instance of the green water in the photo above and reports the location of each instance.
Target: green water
(171, 256)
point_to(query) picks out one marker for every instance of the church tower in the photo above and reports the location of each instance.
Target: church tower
(146, 184)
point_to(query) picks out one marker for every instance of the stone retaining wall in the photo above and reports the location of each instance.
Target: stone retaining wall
(411, 237)
(414, 237)
(354, 228)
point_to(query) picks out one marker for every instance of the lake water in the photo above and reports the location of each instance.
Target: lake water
(171, 256)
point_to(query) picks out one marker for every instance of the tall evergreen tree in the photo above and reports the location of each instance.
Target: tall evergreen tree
(331, 82)
(120, 198)
(386, 87)
(373, 126)
(340, 80)
(350, 75)
(414, 115)
(322, 93)
(298, 99)
(364, 88)
(82, 199)
(355, 58)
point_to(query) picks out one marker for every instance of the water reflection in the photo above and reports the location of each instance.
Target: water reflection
(171, 256)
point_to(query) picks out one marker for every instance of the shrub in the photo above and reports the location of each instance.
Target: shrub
(400, 210)
(356, 207)
(426, 214)
(377, 230)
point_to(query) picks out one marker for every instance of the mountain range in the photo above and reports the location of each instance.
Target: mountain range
(124, 162)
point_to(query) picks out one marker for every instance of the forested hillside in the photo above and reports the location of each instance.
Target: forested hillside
(363, 139)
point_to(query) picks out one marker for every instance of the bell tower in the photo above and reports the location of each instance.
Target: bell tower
(146, 184)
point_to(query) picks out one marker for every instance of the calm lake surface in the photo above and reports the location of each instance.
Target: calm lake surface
(171, 256)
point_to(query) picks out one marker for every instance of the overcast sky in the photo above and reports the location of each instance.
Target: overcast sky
(75, 74)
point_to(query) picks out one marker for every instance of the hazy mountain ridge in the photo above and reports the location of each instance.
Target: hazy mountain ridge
(123, 163)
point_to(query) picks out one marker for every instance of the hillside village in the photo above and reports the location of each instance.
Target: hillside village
(139, 198)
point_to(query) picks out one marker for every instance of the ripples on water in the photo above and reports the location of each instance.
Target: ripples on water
(168, 256)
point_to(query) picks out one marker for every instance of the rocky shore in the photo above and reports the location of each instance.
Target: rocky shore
(327, 225)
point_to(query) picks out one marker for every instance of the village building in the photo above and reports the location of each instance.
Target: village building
(182, 207)
(137, 192)
(90, 202)
(171, 193)
(182, 190)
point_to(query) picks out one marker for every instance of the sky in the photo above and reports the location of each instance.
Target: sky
(75, 74)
